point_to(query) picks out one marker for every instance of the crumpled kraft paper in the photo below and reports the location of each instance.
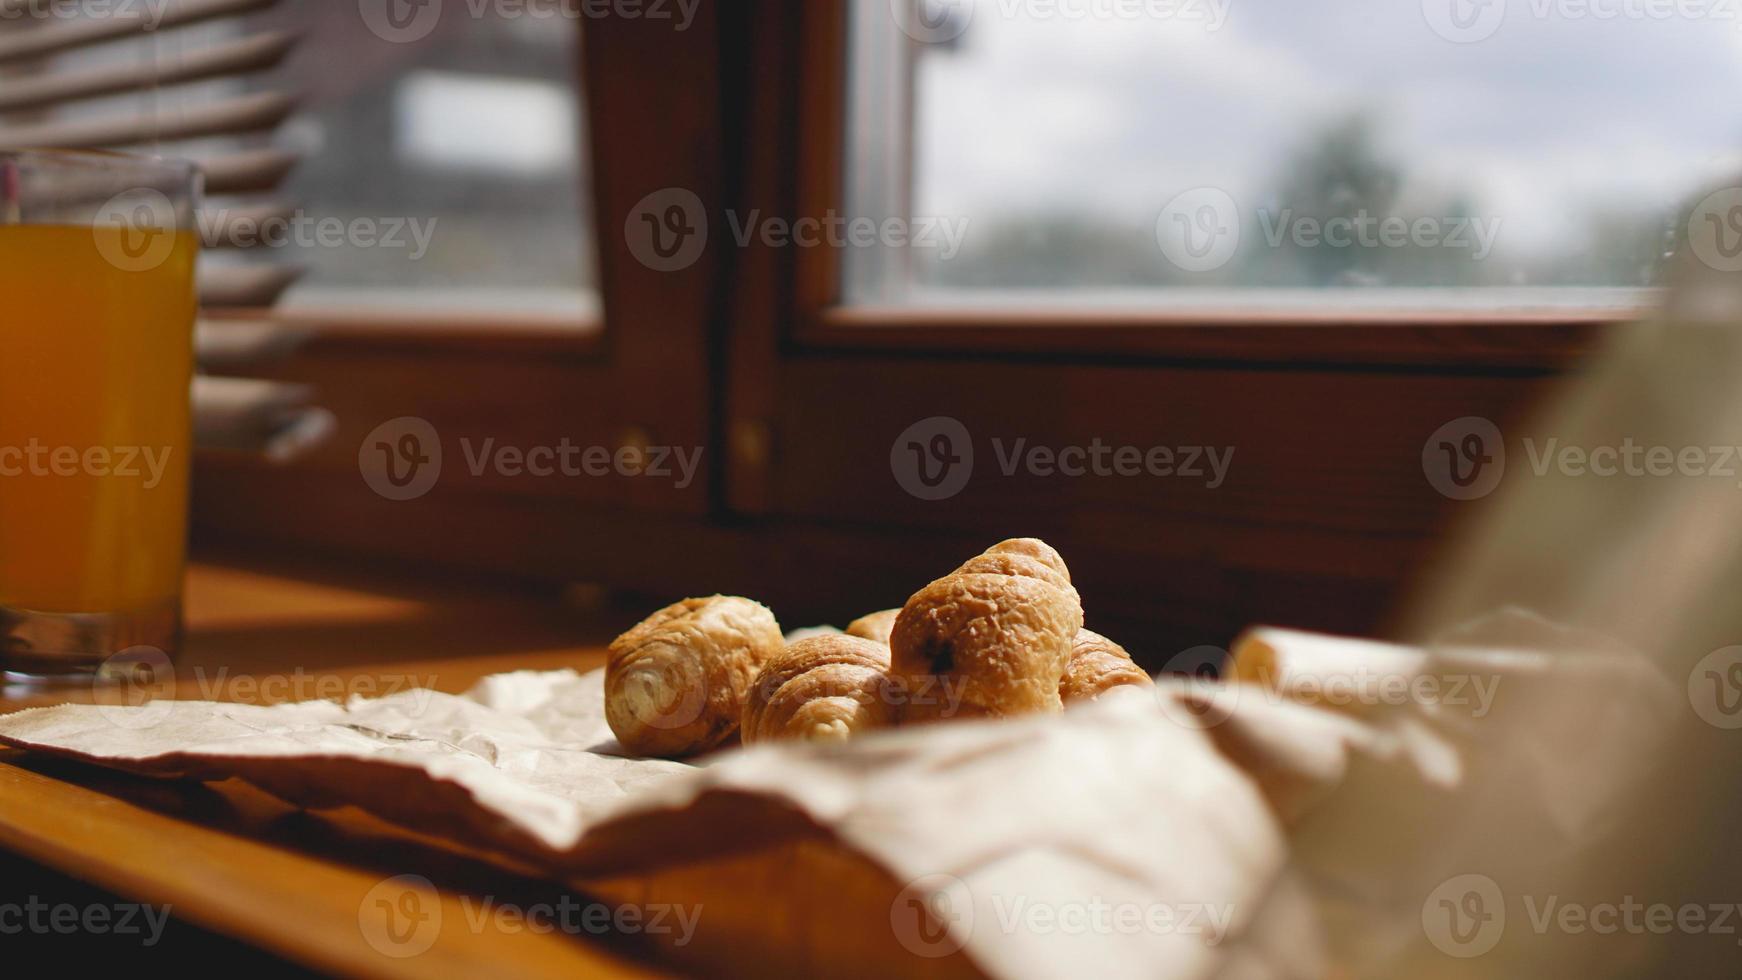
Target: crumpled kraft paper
(1157, 811)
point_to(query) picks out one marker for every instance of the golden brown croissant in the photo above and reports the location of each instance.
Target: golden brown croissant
(875, 626)
(1098, 665)
(675, 683)
(991, 638)
(821, 689)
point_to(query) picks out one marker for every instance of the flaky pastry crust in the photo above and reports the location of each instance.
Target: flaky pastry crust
(875, 627)
(992, 638)
(1098, 665)
(675, 683)
(821, 689)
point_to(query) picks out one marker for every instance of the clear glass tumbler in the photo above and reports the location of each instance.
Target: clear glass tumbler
(97, 307)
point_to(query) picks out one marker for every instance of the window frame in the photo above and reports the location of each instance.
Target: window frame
(750, 355)
(1543, 340)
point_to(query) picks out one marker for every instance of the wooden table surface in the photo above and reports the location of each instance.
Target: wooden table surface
(287, 887)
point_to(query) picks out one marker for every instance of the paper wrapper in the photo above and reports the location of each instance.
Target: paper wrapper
(1145, 835)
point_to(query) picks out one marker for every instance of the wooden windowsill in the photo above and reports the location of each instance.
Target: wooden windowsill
(388, 329)
(228, 858)
(1544, 341)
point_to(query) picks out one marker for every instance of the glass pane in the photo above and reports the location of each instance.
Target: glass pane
(441, 169)
(1275, 154)
(473, 130)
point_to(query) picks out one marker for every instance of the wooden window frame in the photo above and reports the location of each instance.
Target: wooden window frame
(1540, 339)
(749, 354)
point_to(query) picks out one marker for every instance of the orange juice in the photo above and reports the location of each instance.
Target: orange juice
(95, 362)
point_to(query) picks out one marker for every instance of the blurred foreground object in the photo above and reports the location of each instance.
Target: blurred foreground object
(1585, 843)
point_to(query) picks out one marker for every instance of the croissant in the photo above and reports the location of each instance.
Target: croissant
(675, 683)
(821, 689)
(991, 638)
(1098, 665)
(875, 626)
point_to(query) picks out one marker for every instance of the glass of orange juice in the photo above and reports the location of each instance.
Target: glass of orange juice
(97, 306)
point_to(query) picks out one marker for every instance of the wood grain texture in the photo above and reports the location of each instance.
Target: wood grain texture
(238, 862)
(304, 885)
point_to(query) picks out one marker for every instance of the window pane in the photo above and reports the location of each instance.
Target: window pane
(441, 170)
(472, 131)
(1273, 154)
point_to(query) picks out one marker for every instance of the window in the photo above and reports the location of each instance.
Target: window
(470, 135)
(1278, 155)
(442, 171)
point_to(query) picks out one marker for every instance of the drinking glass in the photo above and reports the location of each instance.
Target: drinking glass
(97, 306)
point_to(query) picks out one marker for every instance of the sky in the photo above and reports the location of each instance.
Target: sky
(1071, 105)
